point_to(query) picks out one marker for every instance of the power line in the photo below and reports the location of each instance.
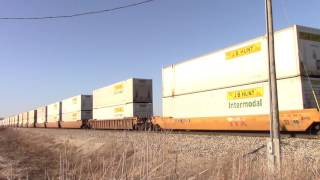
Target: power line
(77, 14)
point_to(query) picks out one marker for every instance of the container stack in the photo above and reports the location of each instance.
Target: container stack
(25, 119)
(234, 81)
(126, 99)
(76, 109)
(20, 120)
(10, 121)
(41, 116)
(54, 115)
(15, 122)
(32, 118)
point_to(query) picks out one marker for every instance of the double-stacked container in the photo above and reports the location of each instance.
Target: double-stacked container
(20, 120)
(6, 122)
(125, 99)
(76, 111)
(41, 116)
(234, 80)
(15, 121)
(54, 115)
(32, 118)
(10, 121)
(3, 123)
(25, 119)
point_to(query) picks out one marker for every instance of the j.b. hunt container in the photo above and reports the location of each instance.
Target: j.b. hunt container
(54, 115)
(297, 52)
(15, 121)
(11, 121)
(32, 118)
(20, 120)
(76, 111)
(25, 119)
(41, 116)
(141, 110)
(293, 93)
(125, 99)
(130, 91)
(204, 87)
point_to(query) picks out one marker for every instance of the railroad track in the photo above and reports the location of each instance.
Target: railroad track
(209, 133)
(247, 134)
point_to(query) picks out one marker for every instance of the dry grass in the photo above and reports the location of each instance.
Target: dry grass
(127, 155)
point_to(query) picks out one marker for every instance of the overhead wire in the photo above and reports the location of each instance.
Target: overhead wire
(77, 14)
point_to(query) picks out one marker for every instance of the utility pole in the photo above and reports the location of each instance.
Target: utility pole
(274, 154)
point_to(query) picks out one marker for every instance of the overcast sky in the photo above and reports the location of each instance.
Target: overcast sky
(49, 60)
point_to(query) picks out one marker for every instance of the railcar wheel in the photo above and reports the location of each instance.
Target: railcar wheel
(315, 129)
(156, 127)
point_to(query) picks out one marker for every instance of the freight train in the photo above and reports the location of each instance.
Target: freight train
(226, 90)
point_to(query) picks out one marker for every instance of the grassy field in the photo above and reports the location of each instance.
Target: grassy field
(81, 154)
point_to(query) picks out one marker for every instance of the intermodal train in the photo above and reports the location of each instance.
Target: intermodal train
(226, 90)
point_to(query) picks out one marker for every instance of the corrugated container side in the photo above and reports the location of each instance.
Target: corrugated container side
(141, 110)
(241, 64)
(250, 99)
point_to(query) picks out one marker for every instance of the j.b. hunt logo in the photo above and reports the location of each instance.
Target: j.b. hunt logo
(245, 104)
(238, 95)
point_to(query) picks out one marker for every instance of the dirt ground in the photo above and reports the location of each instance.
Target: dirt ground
(26, 156)
(89, 154)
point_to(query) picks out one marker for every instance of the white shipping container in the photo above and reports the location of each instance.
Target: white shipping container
(4, 121)
(54, 112)
(20, 115)
(10, 120)
(25, 117)
(76, 116)
(124, 92)
(42, 114)
(246, 63)
(77, 103)
(142, 110)
(32, 117)
(15, 120)
(293, 93)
